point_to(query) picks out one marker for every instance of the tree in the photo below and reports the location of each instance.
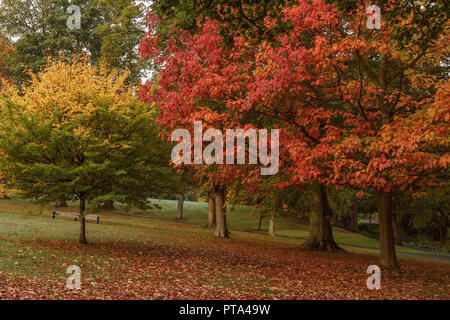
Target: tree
(180, 199)
(425, 211)
(5, 55)
(39, 29)
(209, 79)
(221, 218)
(77, 131)
(295, 87)
(352, 100)
(344, 203)
(388, 146)
(246, 18)
(211, 210)
(121, 33)
(346, 97)
(190, 99)
(110, 32)
(122, 29)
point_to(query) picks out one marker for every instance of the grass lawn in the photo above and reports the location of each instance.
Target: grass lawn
(242, 219)
(154, 256)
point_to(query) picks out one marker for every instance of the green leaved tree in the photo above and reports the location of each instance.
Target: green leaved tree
(78, 132)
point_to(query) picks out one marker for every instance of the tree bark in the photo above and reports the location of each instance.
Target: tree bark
(260, 222)
(354, 216)
(321, 233)
(350, 221)
(388, 258)
(347, 221)
(396, 230)
(221, 222)
(180, 206)
(211, 210)
(82, 222)
(272, 226)
(443, 225)
(444, 231)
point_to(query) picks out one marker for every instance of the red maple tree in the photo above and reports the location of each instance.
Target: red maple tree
(345, 96)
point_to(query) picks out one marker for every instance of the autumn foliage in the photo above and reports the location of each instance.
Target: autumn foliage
(78, 132)
(360, 112)
(348, 100)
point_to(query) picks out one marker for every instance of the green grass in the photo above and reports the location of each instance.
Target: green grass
(19, 219)
(128, 251)
(242, 219)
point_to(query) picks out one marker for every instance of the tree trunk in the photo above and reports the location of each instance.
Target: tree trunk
(82, 221)
(354, 216)
(347, 222)
(227, 232)
(396, 231)
(443, 226)
(180, 206)
(321, 233)
(444, 231)
(221, 222)
(211, 210)
(272, 226)
(108, 205)
(62, 204)
(260, 222)
(388, 258)
(350, 221)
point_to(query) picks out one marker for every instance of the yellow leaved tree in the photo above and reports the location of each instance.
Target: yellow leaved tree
(78, 132)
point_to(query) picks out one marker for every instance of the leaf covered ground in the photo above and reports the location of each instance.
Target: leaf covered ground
(137, 258)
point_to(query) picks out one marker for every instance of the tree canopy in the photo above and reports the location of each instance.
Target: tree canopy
(346, 98)
(78, 132)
